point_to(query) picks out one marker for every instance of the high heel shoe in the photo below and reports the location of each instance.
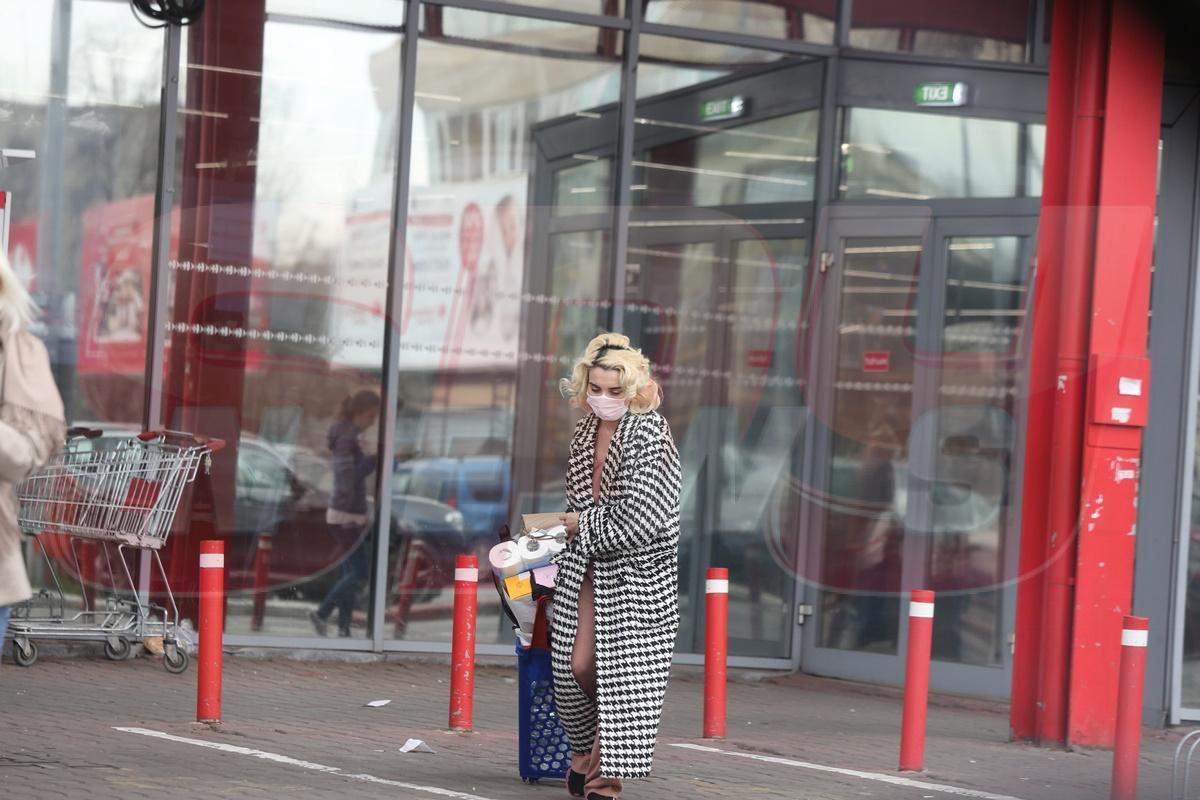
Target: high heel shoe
(575, 782)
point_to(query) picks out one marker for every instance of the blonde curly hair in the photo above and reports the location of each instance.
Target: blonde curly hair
(613, 351)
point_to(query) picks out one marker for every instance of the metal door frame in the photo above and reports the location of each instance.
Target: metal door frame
(1167, 485)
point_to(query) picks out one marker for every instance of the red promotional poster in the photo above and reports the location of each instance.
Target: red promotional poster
(114, 280)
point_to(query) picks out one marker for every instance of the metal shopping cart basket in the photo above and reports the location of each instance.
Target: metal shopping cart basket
(544, 749)
(121, 494)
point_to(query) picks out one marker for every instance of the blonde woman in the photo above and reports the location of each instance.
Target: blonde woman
(31, 426)
(616, 608)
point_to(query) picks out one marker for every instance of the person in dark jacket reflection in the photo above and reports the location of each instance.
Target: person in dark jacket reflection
(347, 515)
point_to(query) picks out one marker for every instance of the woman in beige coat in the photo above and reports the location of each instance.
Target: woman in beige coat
(31, 426)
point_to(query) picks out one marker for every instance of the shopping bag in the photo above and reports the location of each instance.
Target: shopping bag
(543, 748)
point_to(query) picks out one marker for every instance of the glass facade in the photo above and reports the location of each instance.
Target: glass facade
(977, 29)
(913, 156)
(279, 248)
(387, 230)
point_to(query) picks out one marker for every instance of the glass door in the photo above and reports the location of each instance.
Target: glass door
(858, 511)
(914, 464)
(972, 432)
(728, 354)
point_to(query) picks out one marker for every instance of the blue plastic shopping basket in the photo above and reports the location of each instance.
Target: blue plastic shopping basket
(544, 749)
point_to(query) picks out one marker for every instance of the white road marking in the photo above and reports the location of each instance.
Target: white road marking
(296, 762)
(895, 780)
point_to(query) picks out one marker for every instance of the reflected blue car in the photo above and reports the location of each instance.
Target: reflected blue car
(477, 486)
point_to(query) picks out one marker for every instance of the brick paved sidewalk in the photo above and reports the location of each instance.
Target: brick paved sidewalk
(299, 729)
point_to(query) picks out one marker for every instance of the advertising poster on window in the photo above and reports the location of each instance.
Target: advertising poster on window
(461, 299)
(114, 285)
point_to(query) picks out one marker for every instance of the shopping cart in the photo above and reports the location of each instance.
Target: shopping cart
(544, 751)
(121, 494)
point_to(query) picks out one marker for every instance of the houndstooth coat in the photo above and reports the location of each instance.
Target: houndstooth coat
(631, 536)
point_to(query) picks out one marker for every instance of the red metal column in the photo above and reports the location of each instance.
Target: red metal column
(1118, 370)
(1079, 221)
(1090, 321)
(1042, 395)
(1059, 355)
(205, 374)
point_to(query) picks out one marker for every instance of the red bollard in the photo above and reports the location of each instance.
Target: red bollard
(262, 575)
(916, 681)
(212, 608)
(462, 656)
(1135, 634)
(716, 648)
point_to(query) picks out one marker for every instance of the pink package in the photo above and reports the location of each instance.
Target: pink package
(544, 576)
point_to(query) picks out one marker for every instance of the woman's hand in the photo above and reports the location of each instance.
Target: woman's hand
(571, 520)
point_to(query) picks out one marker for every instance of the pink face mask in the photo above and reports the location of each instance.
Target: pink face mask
(607, 407)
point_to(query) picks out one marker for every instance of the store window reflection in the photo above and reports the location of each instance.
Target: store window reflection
(913, 156)
(487, 89)
(906, 155)
(276, 318)
(864, 522)
(986, 30)
(1035, 158)
(715, 294)
(802, 20)
(578, 263)
(984, 313)
(773, 161)
(79, 111)
(79, 108)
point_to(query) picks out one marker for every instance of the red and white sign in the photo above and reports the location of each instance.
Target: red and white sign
(877, 361)
(759, 359)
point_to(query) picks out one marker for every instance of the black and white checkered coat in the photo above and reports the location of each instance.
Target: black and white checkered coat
(631, 536)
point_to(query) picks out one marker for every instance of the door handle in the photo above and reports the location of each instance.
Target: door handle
(825, 261)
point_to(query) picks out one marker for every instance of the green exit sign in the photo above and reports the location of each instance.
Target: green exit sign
(723, 108)
(940, 95)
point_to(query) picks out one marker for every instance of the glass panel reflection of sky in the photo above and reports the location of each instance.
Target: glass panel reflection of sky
(903, 155)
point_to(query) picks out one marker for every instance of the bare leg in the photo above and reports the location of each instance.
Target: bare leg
(583, 667)
(583, 658)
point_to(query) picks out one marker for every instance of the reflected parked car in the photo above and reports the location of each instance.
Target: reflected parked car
(477, 486)
(284, 493)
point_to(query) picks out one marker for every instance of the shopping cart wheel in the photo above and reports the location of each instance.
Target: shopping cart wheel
(117, 649)
(175, 659)
(24, 655)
